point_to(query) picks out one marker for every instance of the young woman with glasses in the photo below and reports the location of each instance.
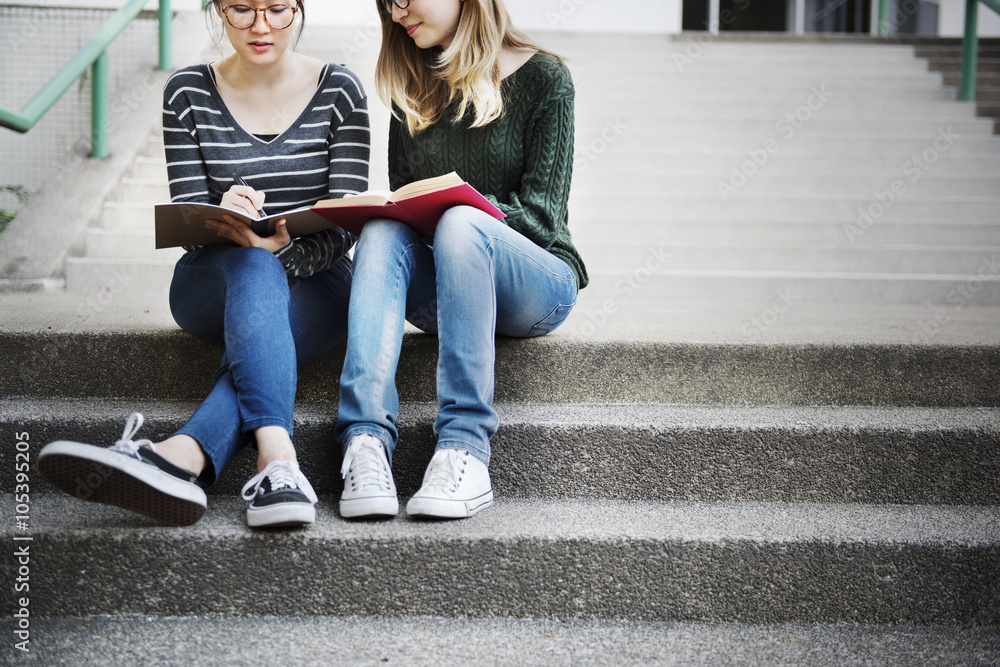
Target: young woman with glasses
(295, 130)
(470, 94)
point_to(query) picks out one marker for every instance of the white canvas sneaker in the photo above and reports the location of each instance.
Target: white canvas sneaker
(456, 485)
(369, 490)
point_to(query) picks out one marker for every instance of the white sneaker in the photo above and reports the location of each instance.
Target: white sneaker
(369, 490)
(280, 495)
(129, 474)
(456, 485)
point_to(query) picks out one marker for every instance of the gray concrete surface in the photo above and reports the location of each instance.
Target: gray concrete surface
(716, 562)
(913, 456)
(322, 641)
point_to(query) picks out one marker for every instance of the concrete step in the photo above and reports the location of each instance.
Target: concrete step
(788, 162)
(814, 125)
(660, 231)
(664, 104)
(882, 205)
(313, 640)
(775, 180)
(730, 285)
(853, 147)
(634, 561)
(903, 369)
(842, 257)
(633, 452)
(127, 244)
(89, 274)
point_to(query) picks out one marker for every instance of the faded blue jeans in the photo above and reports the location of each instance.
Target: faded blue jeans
(478, 280)
(270, 327)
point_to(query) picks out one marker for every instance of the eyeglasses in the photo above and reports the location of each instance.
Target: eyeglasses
(277, 17)
(387, 5)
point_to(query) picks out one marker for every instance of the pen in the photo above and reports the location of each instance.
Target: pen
(239, 181)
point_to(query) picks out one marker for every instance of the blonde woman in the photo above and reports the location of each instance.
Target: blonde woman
(470, 94)
(263, 128)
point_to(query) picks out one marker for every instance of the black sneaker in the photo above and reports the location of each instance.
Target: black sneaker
(128, 474)
(279, 496)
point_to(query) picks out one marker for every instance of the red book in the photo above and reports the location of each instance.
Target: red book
(419, 204)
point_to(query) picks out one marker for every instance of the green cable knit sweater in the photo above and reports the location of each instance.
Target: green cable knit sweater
(522, 162)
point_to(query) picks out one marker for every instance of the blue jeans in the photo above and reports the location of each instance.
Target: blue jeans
(269, 326)
(479, 279)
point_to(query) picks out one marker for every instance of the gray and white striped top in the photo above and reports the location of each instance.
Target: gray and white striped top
(323, 154)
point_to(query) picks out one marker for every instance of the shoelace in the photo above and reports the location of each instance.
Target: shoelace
(445, 471)
(126, 445)
(282, 475)
(364, 458)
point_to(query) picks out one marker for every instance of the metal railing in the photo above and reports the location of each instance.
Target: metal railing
(93, 55)
(970, 47)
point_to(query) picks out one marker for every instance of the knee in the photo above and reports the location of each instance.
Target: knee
(254, 266)
(382, 234)
(459, 230)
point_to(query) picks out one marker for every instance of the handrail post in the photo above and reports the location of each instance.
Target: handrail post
(883, 18)
(165, 26)
(99, 107)
(970, 52)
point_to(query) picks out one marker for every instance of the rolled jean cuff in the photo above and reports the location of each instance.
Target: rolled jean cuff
(465, 447)
(376, 432)
(260, 422)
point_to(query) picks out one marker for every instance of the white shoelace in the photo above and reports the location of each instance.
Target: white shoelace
(126, 445)
(444, 471)
(364, 457)
(283, 475)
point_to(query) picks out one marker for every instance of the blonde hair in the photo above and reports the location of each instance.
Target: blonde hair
(424, 82)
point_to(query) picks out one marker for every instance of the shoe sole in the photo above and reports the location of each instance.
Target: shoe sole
(443, 508)
(357, 508)
(281, 515)
(102, 476)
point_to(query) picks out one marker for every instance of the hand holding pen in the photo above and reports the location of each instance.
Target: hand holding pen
(244, 199)
(244, 191)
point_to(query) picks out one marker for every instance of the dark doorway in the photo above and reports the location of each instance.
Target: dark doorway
(839, 16)
(736, 15)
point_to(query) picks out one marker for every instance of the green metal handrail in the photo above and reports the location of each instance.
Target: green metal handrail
(970, 47)
(92, 55)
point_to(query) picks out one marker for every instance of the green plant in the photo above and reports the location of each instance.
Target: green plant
(22, 195)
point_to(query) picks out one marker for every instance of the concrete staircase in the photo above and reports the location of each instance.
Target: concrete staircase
(945, 56)
(768, 434)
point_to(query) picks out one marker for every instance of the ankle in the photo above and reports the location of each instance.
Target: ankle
(273, 444)
(184, 452)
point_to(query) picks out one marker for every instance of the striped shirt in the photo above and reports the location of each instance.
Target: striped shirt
(323, 154)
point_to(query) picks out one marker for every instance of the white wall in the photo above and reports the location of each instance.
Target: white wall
(657, 16)
(951, 19)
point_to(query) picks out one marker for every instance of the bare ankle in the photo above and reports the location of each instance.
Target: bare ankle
(184, 452)
(273, 444)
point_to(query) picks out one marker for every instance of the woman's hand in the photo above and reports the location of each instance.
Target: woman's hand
(240, 233)
(247, 201)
